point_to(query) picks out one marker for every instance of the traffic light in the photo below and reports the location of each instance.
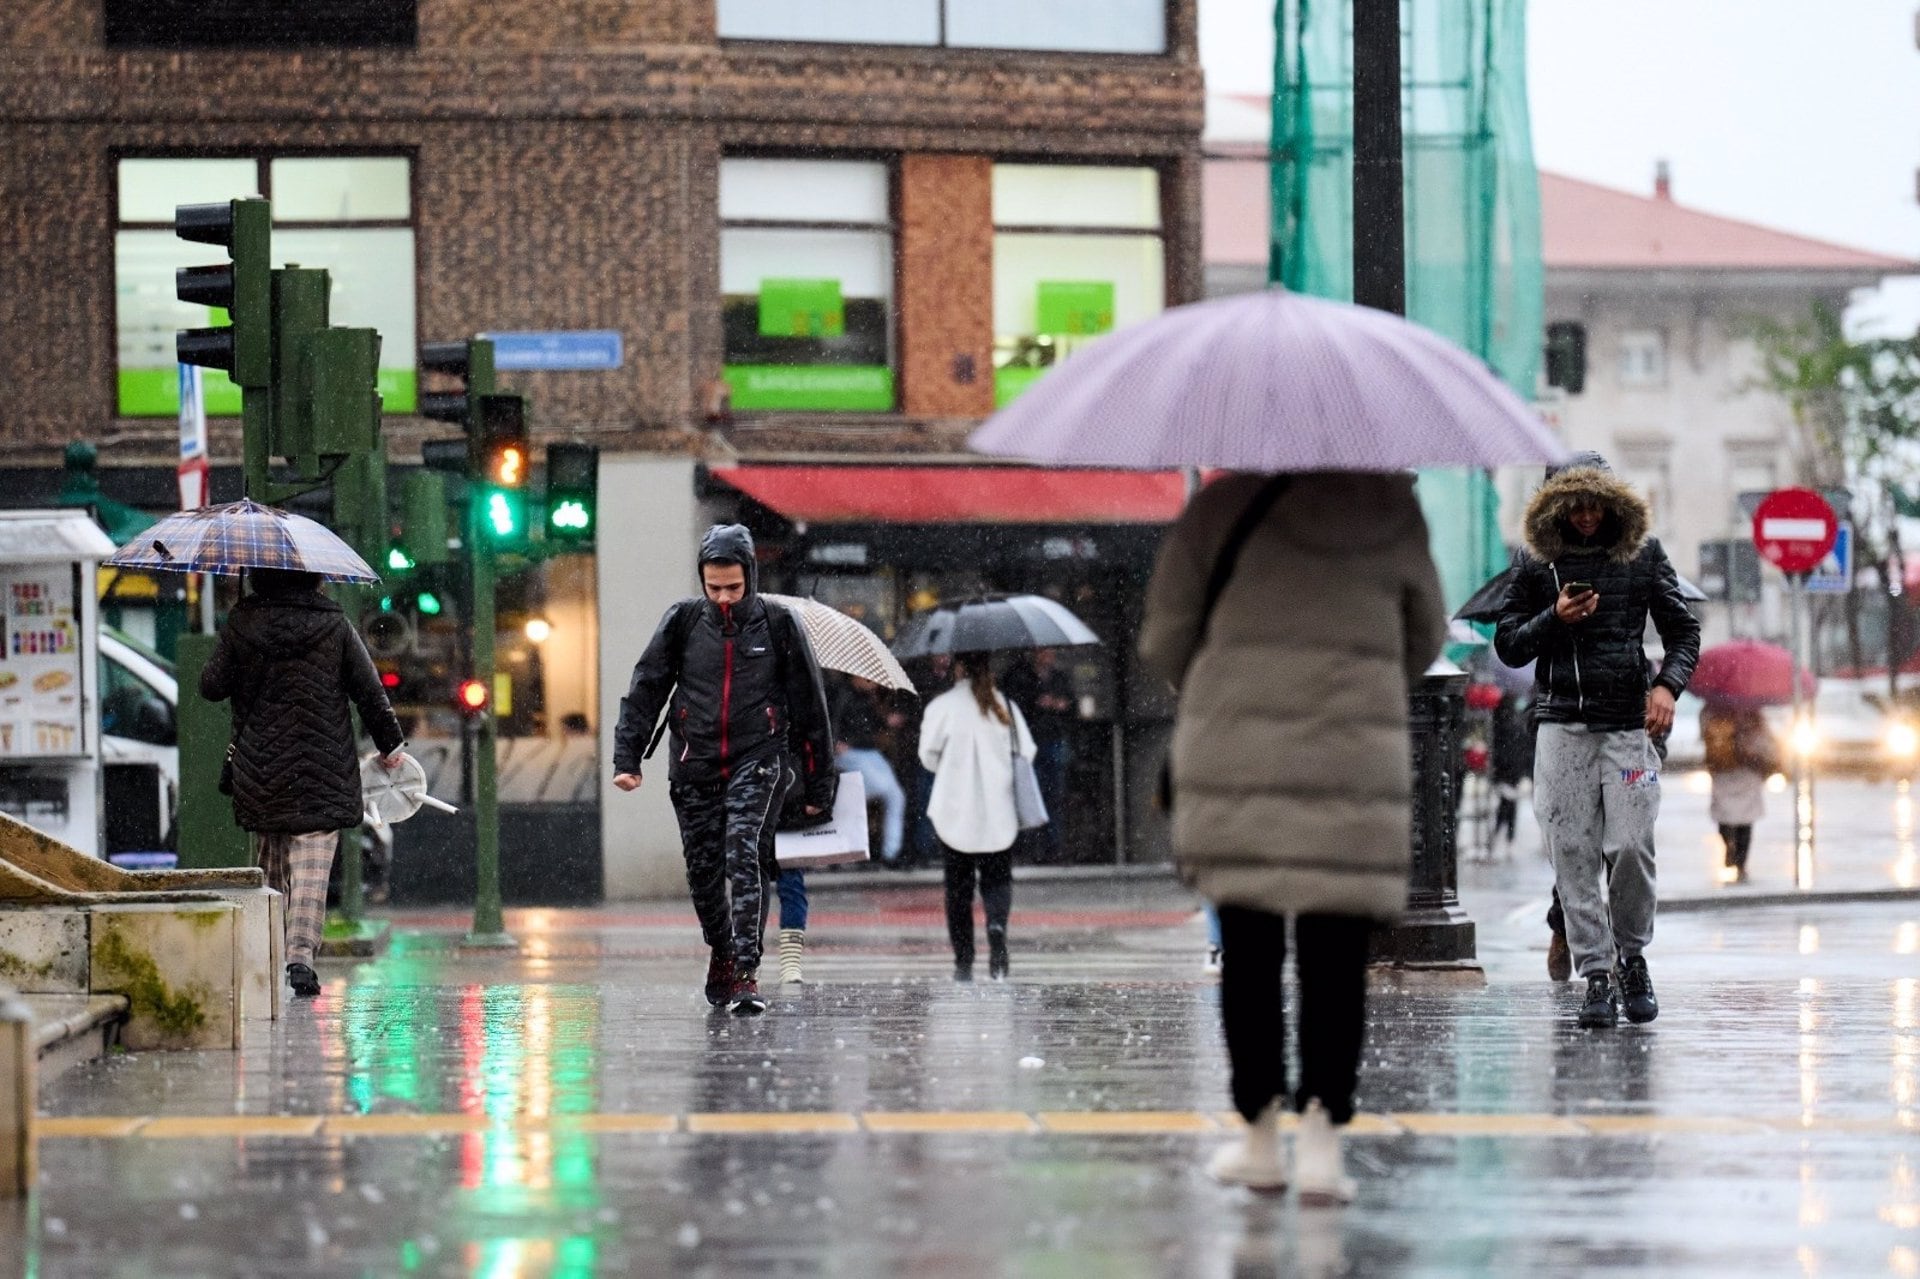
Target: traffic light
(502, 460)
(243, 287)
(470, 698)
(471, 362)
(573, 488)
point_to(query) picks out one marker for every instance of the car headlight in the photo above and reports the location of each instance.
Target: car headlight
(1903, 741)
(1805, 737)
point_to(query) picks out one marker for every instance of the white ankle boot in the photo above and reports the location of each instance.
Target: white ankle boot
(793, 941)
(1319, 1171)
(1253, 1159)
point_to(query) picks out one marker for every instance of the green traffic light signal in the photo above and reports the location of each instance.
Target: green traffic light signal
(503, 516)
(398, 560)
(573, 479)
(427, 604)
(571, 517)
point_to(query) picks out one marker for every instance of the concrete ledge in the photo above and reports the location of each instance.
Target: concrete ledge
(370, 939)
(71, 1029)
(1739, 899)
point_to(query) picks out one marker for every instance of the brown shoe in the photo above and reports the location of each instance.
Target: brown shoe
(1559, 959)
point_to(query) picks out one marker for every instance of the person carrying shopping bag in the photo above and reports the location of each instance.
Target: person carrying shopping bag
(296, 669)
(969, 740)
(1291, 614)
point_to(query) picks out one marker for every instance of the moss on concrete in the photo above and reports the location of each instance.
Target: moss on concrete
(17, 969)
(175, 1013)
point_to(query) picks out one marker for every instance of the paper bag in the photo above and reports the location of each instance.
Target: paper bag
(844, 839)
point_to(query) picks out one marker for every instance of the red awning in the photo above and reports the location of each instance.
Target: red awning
(960, 494)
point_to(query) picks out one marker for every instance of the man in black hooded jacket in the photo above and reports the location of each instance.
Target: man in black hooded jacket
(748, 716)
(1578, 608)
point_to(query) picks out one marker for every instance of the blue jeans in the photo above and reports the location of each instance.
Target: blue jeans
(792, 887)
(1213, 924)
(884, 786)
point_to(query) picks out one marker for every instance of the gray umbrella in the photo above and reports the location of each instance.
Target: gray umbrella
(1484, 605)
(992, 624)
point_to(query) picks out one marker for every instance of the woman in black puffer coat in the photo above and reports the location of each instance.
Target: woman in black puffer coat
(292, 663)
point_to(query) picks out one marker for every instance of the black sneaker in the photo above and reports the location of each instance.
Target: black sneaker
(745, 1000)
(1636, 990)
(1599, 1012)
(963, 973)
(305, 982)
(719, 978)
(997, 954)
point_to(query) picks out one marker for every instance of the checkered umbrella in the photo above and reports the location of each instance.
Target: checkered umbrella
(846, 645)
(239, 536)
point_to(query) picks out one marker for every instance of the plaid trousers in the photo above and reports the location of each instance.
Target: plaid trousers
(297, 866)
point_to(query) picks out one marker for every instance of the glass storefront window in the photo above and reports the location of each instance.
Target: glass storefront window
(349, 214)
(1077, 252)
(1078, 26)
(806, 279)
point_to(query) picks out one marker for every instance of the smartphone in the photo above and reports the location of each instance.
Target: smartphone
(1579, 588)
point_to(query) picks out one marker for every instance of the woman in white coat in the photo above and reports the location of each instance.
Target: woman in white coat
(967, 740)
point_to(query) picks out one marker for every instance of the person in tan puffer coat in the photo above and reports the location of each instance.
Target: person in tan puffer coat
(1291, 772)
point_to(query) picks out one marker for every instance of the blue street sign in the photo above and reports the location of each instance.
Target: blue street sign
(571, 349)
(1835, 574)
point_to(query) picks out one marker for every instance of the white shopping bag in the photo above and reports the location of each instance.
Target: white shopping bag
(844, 839)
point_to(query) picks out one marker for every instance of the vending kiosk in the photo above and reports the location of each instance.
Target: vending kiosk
(50, 769)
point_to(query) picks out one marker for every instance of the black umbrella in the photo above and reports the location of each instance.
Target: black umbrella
(991, 624)
(1485, 604)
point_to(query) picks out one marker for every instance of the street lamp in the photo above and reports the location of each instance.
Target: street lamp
(539, 630)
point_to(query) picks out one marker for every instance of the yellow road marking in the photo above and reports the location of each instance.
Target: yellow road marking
(772, 1122)
(1634, 1125)
(1061, 1122)
(86, 1126)
(232, 1126)
(948, 1121)
(1119, 1123)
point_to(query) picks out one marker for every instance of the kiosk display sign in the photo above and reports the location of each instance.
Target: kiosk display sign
(42, 712)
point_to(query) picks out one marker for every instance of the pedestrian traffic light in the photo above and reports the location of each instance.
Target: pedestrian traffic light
(242, 287)
(573, 485)
(471, 697)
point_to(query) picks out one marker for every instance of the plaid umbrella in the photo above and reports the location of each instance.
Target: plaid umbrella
(846, 645)
(1270, 382)
(239, 536)
(991, 625)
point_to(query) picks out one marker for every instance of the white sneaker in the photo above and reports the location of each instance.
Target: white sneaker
(1212, 967)
(1253, 1159)
(1319, 1171)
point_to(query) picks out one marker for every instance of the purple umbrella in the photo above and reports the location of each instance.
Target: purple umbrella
(1271, 381)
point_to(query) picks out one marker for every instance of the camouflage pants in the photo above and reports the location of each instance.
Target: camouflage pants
(726, 835)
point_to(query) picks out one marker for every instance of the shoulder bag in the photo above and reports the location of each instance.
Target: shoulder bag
(1223, 565)
(1029, 806)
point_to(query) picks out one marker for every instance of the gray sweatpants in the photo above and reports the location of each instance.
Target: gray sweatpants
(1597, 796)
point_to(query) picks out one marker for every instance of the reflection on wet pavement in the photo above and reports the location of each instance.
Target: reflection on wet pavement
(576, 1110)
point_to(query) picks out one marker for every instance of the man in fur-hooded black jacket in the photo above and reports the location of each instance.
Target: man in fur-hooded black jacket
(1578, 608)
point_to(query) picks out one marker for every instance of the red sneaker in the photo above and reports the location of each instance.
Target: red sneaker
(746, 1001)
(719, 978)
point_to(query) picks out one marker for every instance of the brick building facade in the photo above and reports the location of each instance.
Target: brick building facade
(564, 160)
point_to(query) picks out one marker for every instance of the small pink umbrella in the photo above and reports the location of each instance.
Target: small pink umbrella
(1271, 382)
(1743, 674)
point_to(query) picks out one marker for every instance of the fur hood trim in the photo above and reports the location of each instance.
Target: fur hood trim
(1629, 519)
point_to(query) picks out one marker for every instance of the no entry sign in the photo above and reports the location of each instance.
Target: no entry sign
(1794, 529)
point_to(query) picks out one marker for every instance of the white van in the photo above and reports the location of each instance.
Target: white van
(139, 743)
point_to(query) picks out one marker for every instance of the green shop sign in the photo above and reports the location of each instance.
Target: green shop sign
(801, 309)
(856, 388)
(1076, 308)
(156, 392)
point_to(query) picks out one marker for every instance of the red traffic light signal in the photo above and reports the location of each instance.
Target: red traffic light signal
(471, 696)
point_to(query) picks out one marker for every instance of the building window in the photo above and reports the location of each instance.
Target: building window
(1077, 26)
(351, 214)
(1643, 358)
(1077, 251)
(806, 278)
(260, 24)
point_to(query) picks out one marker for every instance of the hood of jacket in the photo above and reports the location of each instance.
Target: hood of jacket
(730, 544)
(1623, 528)
(276, 624)
(1346, 511)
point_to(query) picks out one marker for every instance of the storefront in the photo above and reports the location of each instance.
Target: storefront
(885, 542)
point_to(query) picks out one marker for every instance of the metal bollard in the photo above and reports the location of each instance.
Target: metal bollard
(17, 1099)
(1435, 929)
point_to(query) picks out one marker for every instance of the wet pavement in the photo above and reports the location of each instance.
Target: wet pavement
(576, 1110)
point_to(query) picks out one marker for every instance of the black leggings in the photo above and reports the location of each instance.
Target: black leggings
(996, 893)
(1332, 966)
(1739, 842)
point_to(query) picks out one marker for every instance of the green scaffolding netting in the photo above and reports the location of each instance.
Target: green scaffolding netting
(1472, 207)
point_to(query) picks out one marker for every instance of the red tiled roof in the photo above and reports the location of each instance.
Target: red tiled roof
(1584, 225)
(1587, 225)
